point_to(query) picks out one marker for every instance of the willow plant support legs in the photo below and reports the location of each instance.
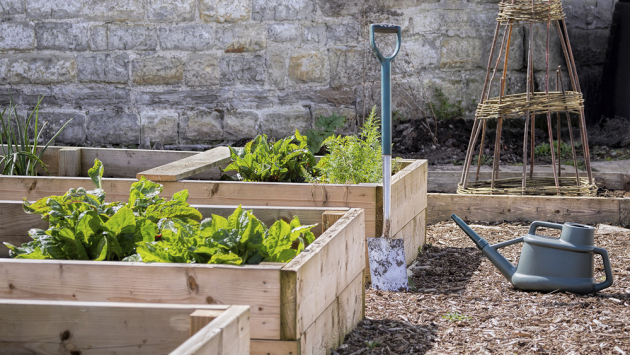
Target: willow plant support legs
(548, 14)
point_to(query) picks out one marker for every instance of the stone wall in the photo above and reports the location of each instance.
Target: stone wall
(204, 71)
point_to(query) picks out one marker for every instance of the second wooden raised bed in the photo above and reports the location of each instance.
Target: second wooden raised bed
(409, 187)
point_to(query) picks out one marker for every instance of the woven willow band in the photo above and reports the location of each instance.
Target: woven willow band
(521, 11)
(535, 186)
(516, 105)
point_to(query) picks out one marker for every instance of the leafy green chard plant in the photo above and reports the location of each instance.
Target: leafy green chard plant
(354, 159)
(151, 229)
(327, 126)
(239, 239)
(285, 160)
(19, 155)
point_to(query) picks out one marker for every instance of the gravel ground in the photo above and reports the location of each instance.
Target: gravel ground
(460, 304)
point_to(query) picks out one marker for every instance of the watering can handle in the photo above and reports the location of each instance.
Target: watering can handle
(536, 224)
(385, 28)
(609, 276)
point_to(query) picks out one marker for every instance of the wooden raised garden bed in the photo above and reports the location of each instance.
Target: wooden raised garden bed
(59, 327)
(303, 307)
(409, 186)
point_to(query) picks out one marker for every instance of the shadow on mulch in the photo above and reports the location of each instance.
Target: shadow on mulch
(444, 270)
(388, 337)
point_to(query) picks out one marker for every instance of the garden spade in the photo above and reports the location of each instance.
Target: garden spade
(386, 255)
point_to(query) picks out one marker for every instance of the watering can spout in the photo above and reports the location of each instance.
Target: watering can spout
(505, 267)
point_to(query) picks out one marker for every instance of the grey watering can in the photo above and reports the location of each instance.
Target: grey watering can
(546, 263)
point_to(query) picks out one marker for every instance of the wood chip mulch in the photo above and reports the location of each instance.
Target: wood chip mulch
(461, 304)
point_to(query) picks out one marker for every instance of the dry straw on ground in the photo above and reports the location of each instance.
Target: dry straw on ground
(462, 305)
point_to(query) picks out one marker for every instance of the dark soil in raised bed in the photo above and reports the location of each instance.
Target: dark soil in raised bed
(609, 139)
(461, 304)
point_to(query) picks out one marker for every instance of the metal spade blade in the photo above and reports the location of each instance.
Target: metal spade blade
(387, 264)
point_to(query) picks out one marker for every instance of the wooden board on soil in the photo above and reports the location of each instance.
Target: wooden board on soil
(51, 327)
(304, 307)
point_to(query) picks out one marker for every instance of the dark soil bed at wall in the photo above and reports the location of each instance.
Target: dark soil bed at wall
(461, 304)
(609, 139)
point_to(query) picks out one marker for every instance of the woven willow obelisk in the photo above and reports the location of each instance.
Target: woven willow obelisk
(540, 13)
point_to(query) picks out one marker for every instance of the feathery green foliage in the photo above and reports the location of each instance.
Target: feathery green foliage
(353, 159)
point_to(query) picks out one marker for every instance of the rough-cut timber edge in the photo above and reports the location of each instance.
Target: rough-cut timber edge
(446, 181)
(189, 166)
(121, 328)
(15, 223)
(409, 188)
(587, 210)
(303, 307)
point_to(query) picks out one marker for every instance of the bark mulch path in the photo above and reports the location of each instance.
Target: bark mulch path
(461, 304)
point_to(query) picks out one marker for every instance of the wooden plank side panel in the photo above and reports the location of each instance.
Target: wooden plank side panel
(409, 191)
(330, 328)
(70, 162)
(587, 210)
(414, 236)
(255, 286)
(274, 347)
(189, 166)
(15, 188)
(121, 328)
(334, 260)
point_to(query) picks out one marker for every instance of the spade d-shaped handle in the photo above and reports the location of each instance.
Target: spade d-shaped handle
(385, 28)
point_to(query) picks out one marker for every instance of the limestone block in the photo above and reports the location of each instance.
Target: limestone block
(338, 8)
(201, 126)
(86, 97)
(345, 66)
(140, 38)
(283, 32)
(105, 67)
(242, 38)
(556, 55)
(159, 126)
(110, 127)
(241, 70)
(157, 71)
(44, 9)
(248, 98)
(74, 133)
(342, 33)
(4, 65)
(283, 10)
(98, 38)
(171, 10)
(461, 53)
(421, 53)
(187, 37)
(282, 122)
(308, 66)
(17, 35)
(202, 70)
(277, 65)
(314, 34)
(41, 69)
(62, 36)
(198, 97)
(588, 14)
(240, 124)
(113, 10)
(11, 7)
(224, 10)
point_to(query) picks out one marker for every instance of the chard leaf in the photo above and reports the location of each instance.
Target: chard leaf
(88, 225)
(172, 209)
(133, 258)
(277, 240)
(96, 173)
(122, 222)
(181, 196)
(223, 258)
(100, 250)
(145, 230)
